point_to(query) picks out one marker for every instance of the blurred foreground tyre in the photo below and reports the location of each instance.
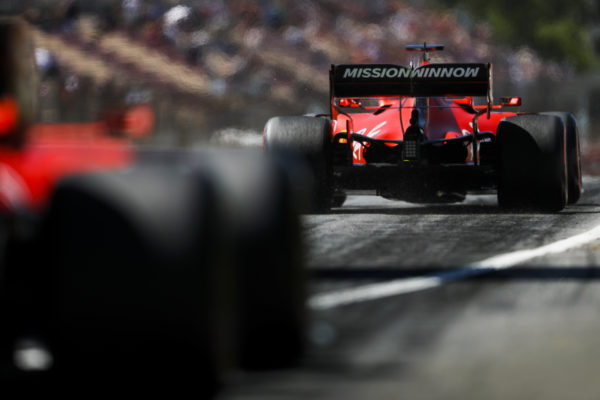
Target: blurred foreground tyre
(171, 273)
(532, 163)
(574, 179)
(260, 212)
(134, 265)
(310, 139)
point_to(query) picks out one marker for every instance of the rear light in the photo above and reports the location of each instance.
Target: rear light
(411, 150)
(354, 103)
(514, 101)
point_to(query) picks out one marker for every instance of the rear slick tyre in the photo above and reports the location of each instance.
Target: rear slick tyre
(261, 220)
(575, 183)
(132, 272)
(532, 163)
(310, 139)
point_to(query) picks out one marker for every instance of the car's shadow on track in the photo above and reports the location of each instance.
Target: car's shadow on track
(460, 209)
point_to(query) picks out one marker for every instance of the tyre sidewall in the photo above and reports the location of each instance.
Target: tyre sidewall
(309, 139)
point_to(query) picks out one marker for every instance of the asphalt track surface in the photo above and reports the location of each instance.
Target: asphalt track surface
(458, 322)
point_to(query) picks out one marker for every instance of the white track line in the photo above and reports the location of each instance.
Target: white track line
(402, 286)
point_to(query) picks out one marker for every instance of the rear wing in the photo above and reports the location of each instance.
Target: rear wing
(365, 80)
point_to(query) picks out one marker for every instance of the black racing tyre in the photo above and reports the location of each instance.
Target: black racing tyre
(19, 283)
(532, 162)
(261, 216)
(258, 209)
(171, 272)
(574, 178)
(7, 311)
(132, 266)
(310, 139)
(18, 76)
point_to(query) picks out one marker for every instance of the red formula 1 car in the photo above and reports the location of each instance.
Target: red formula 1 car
(416, 134)
(134, 267)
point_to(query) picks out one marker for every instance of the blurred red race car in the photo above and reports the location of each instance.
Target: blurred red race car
(416, 134)
(105, 243)
(35, 156)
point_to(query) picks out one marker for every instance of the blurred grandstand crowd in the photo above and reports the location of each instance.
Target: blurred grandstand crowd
(209, 63)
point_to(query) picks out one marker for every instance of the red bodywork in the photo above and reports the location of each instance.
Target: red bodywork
(48, 152)
(442, 118)
(52, 151)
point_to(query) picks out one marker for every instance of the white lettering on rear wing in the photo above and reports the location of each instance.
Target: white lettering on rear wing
(427, 80)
